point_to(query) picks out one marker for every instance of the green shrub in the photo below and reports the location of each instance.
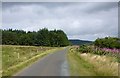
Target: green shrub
(108, 42)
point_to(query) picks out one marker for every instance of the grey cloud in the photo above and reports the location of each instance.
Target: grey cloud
(79, 20)
(60, 0)
(102, 6)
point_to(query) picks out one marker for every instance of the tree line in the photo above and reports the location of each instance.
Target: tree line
(108, 42)
(42, 37)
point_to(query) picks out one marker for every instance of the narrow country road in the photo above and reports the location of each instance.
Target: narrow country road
(54, 64)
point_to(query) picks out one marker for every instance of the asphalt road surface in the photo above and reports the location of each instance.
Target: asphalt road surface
(54, 64)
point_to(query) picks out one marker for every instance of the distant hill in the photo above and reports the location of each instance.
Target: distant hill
(79, 42)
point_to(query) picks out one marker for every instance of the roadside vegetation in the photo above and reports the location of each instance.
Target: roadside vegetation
(21, 48)
(95, 60)
(17, 57)
(0, 61)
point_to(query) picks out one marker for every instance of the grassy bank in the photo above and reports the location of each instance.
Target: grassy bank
(87, 64)
(0, 61)
(16, 58)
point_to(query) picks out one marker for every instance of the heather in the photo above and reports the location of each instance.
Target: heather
(100, 51)
(84, 63)
(103, 47)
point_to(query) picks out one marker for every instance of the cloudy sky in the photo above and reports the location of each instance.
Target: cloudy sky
(79, 20)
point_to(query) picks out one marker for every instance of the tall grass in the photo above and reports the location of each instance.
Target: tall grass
(78, 66)
(100, 51)
(15, 58)
(0, 61)
(98, 65)
(12, 55)
(103, 65)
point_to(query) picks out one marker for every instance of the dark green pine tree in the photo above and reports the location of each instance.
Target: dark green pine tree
(43, 37)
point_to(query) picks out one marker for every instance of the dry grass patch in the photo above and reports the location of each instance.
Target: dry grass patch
(103, 65)
(17, 57)
(87, 64)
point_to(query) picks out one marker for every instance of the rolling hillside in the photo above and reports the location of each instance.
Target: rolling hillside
(79, 42)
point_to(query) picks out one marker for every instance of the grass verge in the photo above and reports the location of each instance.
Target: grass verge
(78, 66)
(91, 65)
(0, 61)
(10, 70)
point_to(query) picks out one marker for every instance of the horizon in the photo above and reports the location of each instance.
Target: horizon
(57, 29)
(79, 20)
